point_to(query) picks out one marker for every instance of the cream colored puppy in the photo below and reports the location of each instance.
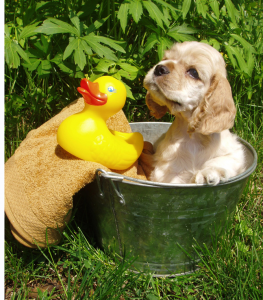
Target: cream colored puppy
(190, 82)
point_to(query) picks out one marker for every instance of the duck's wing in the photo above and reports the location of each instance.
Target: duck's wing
(125, 149)
(135, 139)
(130, 138)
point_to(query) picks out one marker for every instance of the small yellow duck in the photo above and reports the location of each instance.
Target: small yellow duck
(86, 134)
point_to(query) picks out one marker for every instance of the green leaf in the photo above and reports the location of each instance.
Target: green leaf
(42, 47)
(160, 48)
(250, 63)
(95, 75)
(230, 55)
(11, 56)
(44, 68)
(87, 264)
(167, 42)
(151, 297)
(76, 22)
(186, 7)
(57, 59)
(109, 42)
(128, 75)
(96, 25)
(185, 29)
(21, 52)
(33, 65)
(167, 18)
(35, 53)
(181, 37)
(70, 48)
(231, 10)
(136, 10)
(102, 51)
(54, 26)
(17, 102)
(87, 48)
(71, 69)
(123, 15)
(241, 62)
(103, 65)
(151, 26)
(215, 44)
(154, 12)
(151, 41)
(116, 75)
(43, 4)
(7, 31)
(28, 31)
(19, 21)
(128, 90)
(164, 44)
(78, 46)
(202, 8)
(79, 56)
(165, 4)
(243, 42)
(128, 67)
(215, 7)
(67, 68)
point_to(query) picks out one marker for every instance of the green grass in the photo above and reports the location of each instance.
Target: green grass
(77, 268)
(231, 269)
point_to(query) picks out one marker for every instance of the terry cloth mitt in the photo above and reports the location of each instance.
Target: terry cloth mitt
(41, 179)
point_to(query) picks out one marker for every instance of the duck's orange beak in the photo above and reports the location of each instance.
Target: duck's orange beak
(91, 93)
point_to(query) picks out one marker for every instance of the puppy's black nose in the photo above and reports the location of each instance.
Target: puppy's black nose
(161, 70)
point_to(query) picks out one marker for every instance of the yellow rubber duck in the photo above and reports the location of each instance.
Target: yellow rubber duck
(86, 134)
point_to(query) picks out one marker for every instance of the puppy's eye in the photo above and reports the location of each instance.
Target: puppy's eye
(193, 73)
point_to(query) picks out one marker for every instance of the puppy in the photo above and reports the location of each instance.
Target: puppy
(190, 83)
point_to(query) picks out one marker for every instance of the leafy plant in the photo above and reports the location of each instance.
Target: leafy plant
(13, 50)
(82, 39)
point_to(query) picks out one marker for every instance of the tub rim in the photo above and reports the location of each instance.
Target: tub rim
(133, 181)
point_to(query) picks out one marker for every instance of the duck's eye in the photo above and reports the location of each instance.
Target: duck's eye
(193, 73)
(111, 89)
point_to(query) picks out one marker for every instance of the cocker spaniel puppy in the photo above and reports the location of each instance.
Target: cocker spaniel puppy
(190, 82)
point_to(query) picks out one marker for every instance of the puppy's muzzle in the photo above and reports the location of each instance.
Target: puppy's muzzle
(161, 70)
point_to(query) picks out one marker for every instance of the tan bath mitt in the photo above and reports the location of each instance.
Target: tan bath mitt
(41, 179)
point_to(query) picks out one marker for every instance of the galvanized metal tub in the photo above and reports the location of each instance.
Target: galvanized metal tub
(157, 223)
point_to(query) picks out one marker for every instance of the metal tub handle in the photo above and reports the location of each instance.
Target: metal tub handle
(101, 172)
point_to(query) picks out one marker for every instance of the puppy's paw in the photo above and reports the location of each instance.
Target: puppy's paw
(211, 176)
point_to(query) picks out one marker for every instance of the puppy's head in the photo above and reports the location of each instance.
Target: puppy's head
(191, 78)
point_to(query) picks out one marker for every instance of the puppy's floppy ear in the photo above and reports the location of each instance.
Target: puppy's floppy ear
(217, 110)
(156, 110)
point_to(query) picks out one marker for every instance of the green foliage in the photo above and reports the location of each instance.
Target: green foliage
(136, 32)
(54, 43)
(231, 269)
